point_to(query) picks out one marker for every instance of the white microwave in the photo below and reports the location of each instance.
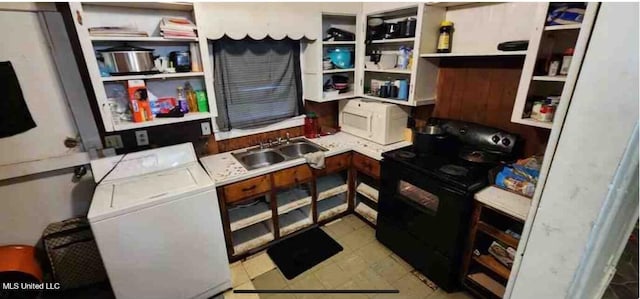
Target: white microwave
(380, 122)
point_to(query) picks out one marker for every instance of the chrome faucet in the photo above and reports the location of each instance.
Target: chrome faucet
(288, 140)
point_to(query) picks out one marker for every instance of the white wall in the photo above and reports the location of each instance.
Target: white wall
(598, 125)
(28, 204)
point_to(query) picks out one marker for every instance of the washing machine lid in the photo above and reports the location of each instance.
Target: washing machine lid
(125, 195)
(143, 162)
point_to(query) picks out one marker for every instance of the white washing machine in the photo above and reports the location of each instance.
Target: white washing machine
(157, 224)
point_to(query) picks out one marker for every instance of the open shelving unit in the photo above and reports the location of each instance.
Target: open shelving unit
(420, 75)
(549, 41)
(147, 15)
(241, 217)
(291, 199)
(332, 195)
(295, 220)
(314, 52)
(366, 200)
(252, 236)
(498, 215)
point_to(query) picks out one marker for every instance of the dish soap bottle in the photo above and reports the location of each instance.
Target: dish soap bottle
(445, 37)
(192, 102)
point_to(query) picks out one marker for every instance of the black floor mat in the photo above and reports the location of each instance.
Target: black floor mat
(300, 253)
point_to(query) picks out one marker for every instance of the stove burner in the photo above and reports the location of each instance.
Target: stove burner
(405, 155)
(454, 170)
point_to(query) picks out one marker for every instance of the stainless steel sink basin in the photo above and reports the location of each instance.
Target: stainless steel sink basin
(254, 158)
(258, 159)
(298, 149)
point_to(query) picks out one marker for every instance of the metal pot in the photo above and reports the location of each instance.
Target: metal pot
(128, 60)
(430, 139)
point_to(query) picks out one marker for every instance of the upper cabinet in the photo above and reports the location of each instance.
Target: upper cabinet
(551, 67)
(330, 68)
(392, 69)
(110, 72)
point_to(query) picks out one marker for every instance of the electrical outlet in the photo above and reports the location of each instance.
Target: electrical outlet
(206, 128)
(142, 138)
(113, 141)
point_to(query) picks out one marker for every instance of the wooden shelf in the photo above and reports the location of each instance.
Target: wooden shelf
(367, 212)
(419, 102)
(498, 234)
(341, 96)
(391, 71)
(242, 217)
(180, 6)
(337, 43)
(334, 71)
(550, 78)
(453, 55)
(142, 39)
(162, 121)
(368, 192)
(154, 76)
(563, 27)
(487, 283)
(492, 264)
(394, 40)
(535, 123)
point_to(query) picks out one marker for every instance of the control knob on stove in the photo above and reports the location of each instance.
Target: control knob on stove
(506, 142)
(495, 138)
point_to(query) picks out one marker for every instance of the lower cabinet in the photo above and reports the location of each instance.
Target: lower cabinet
(257, 211)
(366, 172)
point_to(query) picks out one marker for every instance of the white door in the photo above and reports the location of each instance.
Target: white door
(25, 44)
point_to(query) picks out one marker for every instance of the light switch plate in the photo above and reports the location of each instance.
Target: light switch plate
(113, 141)
(142, 138)
(206, 128)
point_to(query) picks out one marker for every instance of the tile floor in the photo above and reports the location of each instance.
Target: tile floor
(363, 264)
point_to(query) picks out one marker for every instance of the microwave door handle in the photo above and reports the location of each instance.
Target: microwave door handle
(370, 125)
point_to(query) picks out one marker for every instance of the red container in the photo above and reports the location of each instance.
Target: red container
(311, 126)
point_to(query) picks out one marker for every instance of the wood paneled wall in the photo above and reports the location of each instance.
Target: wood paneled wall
(483, 90)
(479, 90)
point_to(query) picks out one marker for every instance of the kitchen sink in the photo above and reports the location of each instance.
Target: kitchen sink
(298, 149)
(256, 157)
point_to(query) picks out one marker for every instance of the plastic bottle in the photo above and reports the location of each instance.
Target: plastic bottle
(192, 102)
(203, 103)
(444, 38)
(182, 101)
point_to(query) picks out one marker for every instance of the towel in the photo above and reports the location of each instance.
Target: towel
(15, 117)
(315, 160)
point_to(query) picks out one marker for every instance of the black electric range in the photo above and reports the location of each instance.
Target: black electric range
(451, 169)
(426, 199)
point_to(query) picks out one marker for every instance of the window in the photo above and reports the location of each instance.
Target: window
(257, 82)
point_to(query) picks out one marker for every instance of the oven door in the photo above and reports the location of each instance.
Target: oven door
(359, 123)
(431, 213)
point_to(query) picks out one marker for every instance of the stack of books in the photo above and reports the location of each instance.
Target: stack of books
(177, 28)
(116, 31)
